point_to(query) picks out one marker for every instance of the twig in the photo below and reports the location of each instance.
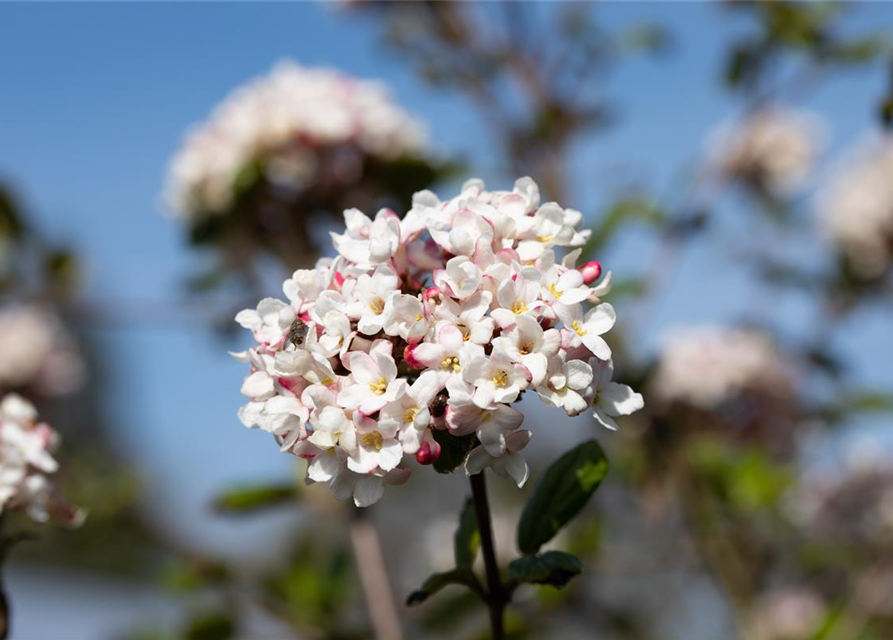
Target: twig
(497, 597)
(374, 577)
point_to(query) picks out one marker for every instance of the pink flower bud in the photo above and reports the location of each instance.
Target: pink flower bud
(432, 292)
(410, 359)
(339, 279)
(428, 453)
(591, 271)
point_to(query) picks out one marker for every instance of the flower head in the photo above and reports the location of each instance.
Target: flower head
(26, 462)
(432, 324)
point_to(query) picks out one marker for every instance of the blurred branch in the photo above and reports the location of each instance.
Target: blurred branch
(374, 576)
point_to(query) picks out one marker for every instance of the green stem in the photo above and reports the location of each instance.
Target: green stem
(497, 597)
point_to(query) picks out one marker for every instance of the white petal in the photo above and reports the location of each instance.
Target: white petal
(620, 400)
(368, 491)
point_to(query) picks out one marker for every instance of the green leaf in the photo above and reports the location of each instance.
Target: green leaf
(554, 568)
(438, 581)
(467, 538)
(453, 450)
(211, 626)
(559, 495)
(254, 498)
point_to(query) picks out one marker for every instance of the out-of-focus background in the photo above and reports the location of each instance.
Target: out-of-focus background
(735, 164)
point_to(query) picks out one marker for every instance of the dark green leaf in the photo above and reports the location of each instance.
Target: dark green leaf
(559, 495)
(249, 499)
(555, 568)
(467, 538)
(10, 221)
(211, 626)
(453, 450)
(438, 581)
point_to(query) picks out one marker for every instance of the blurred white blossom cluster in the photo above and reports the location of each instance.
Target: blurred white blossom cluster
(26, 447)
(787, 614)
(856, 208)
(37, 352)
(773, 147)
(280, 123)
(854, 503)
(439, 321)
(708, 365)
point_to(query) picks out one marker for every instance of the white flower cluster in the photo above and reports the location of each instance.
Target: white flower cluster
(774, 146)
(283, 120)
(706, 366)
(856, 208)
(438, 321)
(37, 352)
(26, 447)
(851, 502)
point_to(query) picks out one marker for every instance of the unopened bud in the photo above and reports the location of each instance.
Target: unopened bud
(428, 453)
(591, 271)
(410, 359)
(432, 292)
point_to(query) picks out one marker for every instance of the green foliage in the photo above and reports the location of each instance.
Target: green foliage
(250, 499)
(746, 478)
(314, 587)
(560, 494)
(196, 574)
(11, 225)
(467, 538)
(453, 450)
(553, 568)
(216, 625)
(437, 581)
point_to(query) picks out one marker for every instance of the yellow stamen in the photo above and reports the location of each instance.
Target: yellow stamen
(410, 414)
(525, 348)
(327, 381)
(419, 317)
(544, 239)
(501, 379)
(451, 362)
(556, 293)
(373, 439)
(519, 307)
(377, 306)
(576, 326)
(378, 388)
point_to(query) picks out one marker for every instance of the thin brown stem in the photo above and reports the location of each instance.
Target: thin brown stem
(374, 577)
(497, 596)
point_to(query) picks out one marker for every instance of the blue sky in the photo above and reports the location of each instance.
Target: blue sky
(94, 98)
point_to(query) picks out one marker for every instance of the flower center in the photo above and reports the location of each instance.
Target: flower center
(410, 414)
(378, 388)
(501, 378)
(519, 307)
(556, 292)
(525, 348)
(451, 362)
(377, 306)
(576, 326)
(373, 440)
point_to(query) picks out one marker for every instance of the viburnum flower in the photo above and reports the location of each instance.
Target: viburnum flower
(37, 352)
(424, 331)
(296, 126)
(774, 148)
(26, 461)
(856, 207)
